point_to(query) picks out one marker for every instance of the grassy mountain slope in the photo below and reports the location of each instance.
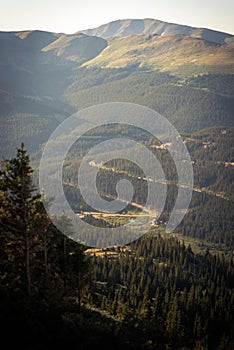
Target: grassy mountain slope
(77, 47)
(176, 54)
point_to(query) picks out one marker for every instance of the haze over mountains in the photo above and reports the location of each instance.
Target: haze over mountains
(182, 72)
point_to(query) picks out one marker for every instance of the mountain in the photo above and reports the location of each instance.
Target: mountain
(128, 27)
(175, 70)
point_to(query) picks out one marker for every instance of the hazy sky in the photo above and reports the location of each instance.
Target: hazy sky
(70, 16)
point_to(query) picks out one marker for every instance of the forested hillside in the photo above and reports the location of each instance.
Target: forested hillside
(210, 214)
(155, 293)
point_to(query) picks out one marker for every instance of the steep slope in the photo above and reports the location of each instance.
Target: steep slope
(152, 26)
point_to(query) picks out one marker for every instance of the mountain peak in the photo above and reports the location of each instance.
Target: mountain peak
(128, 27)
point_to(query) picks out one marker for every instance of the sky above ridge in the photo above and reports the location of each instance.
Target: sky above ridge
(69, 16)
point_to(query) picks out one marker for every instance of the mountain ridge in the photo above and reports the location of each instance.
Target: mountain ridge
(127, 27)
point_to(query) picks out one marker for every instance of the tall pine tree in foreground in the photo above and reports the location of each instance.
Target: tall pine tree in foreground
(19, 206)
(33, 258)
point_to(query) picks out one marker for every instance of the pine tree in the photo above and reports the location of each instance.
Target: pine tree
(34, 256)
(19, 207)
